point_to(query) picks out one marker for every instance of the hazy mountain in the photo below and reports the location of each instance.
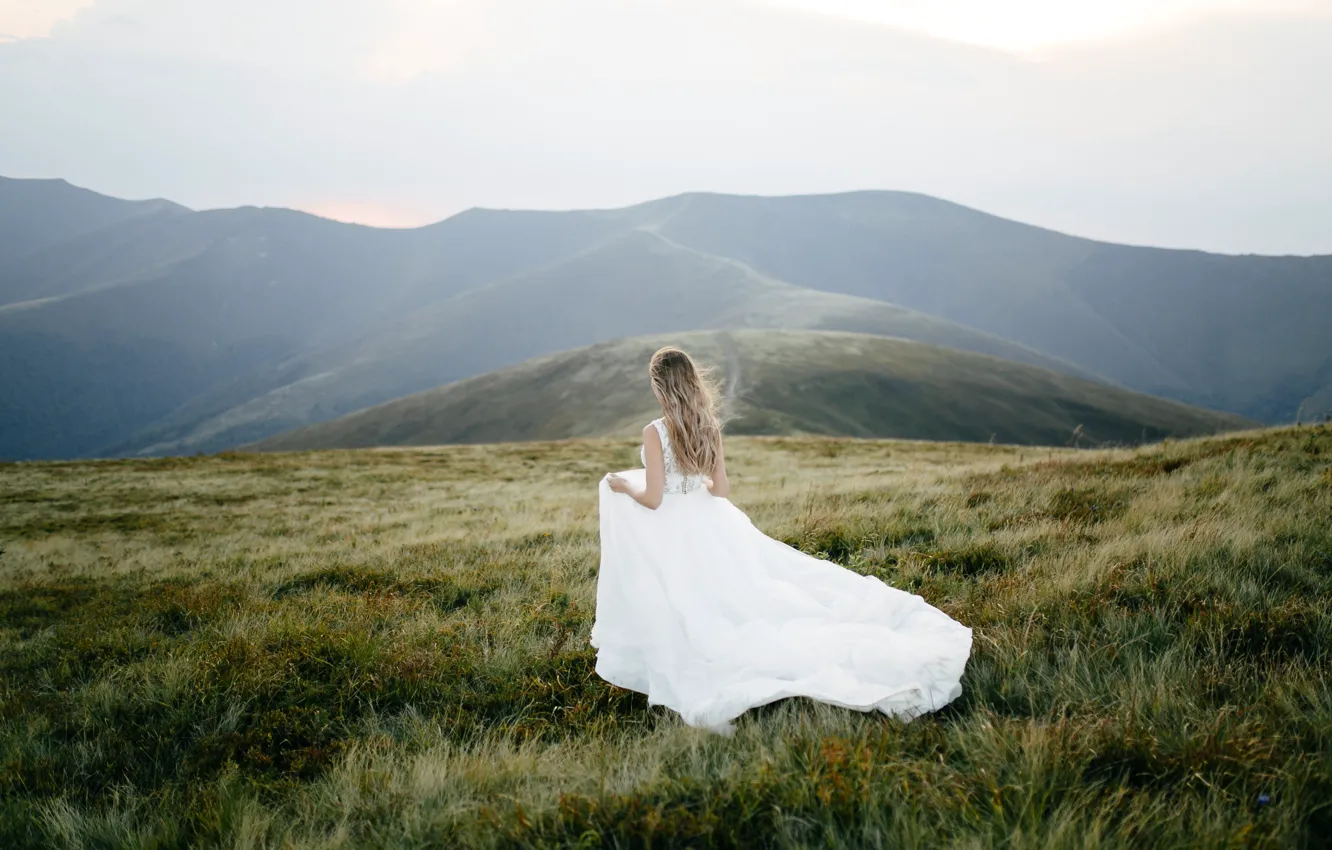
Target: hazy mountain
(131, 328)
(113, 330)
(633, 284)
(36, 214)
(1246, 334)
(778, 382)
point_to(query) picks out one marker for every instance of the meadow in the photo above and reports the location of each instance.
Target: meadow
(388, 648)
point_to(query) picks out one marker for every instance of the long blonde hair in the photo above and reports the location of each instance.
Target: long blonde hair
(688, 397)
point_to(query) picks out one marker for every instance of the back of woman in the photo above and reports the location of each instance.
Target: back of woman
(676, 480)
(708, 616)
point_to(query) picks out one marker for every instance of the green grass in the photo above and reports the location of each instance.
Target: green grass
(389, 649)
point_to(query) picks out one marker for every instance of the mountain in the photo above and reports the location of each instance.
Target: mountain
(148, 328)
(116, 329)
(197, 332)
(777, 382)
(634, 284)
(36, 214)
(1246, 334)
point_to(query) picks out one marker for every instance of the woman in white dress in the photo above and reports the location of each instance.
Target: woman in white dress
(710, 617)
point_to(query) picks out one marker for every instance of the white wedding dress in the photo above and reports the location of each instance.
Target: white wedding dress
(710, 617)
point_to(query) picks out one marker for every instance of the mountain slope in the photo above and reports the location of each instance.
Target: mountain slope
(113, 330)
(128, 328)
(87, 368)
(36, 214)
(781, 382)
(635, 284)
(1246, 334)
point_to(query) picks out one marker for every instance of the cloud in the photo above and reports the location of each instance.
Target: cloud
(1030, 25)
(1200, 135)
(29, 19)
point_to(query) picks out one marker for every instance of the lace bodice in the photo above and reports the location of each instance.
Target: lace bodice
(676, 482)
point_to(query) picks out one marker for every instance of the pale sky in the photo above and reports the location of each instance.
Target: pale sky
(1183, 123)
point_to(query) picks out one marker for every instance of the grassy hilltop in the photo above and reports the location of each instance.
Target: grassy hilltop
(389, 649)
(777, 383)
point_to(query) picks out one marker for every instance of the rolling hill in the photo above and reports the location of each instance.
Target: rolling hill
(778, 382)
(117, 329)
(1241, 333)
(632, 285)
(250, 322)
(146, 328)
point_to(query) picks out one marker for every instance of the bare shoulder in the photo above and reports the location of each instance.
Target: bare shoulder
(650, 434)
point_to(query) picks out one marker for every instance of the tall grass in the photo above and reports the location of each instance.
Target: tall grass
(389, 649)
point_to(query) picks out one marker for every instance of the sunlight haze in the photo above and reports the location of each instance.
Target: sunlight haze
(1028, 25)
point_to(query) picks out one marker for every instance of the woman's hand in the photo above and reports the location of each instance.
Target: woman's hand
(617, 484)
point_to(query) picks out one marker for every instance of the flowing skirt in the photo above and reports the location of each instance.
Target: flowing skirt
(710, 617)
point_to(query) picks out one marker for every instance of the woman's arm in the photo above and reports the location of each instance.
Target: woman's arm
(720, 486)
(650, 496)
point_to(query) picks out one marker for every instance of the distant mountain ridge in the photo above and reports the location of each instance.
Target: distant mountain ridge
(36, 214)
(130, 328)
(1183, 324)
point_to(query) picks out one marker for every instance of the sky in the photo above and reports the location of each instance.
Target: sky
(1180, 123)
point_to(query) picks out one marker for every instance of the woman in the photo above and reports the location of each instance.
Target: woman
(708, 616)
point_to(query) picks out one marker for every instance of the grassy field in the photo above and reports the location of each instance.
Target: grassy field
(389, 649)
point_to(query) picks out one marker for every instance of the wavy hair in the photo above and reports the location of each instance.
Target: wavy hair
(688, 397)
